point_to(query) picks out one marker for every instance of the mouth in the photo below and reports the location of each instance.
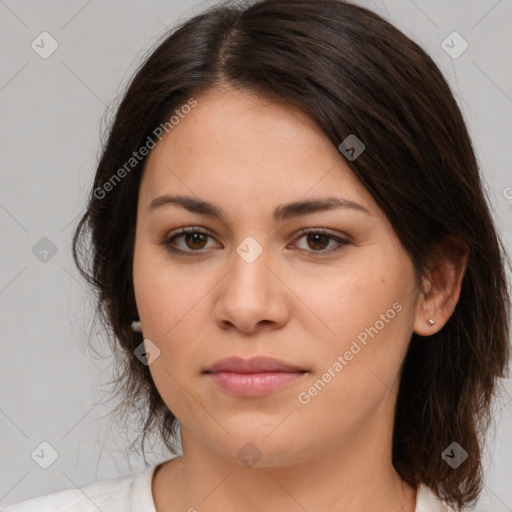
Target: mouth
(254, 377)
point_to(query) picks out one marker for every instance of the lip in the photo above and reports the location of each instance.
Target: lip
(257, 364)
(254, 377)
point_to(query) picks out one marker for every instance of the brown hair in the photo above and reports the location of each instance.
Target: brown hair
(352, 72)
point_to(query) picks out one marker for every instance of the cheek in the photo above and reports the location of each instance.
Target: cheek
(369, 317)
(353, 299)
(165, 296)
(171, 311)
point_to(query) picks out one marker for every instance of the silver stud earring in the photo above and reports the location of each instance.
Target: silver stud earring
(137, 326)
(430, 321)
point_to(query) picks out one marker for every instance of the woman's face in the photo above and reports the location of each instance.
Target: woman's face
(340, 307)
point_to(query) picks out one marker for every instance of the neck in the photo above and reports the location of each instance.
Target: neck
(349, 476)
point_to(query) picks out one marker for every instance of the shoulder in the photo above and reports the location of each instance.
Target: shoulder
(427, 501)
(111, 495)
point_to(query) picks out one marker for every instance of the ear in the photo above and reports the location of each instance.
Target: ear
(441, 286)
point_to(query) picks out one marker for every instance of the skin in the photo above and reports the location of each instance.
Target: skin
(247, 155)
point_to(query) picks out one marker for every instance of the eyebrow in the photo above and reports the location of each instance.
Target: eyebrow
(281, 213)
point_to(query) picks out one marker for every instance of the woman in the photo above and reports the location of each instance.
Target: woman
(291, 245)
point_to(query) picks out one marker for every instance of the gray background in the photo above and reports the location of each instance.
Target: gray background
(51, 112)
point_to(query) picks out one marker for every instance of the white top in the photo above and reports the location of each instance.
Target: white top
(132, 493)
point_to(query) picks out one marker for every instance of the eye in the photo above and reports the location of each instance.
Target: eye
(193, 237)
(318, 240)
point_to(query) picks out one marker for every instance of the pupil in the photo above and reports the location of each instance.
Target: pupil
(316, 237)
(195, 237)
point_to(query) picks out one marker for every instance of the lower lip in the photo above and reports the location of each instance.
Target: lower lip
(252, 385)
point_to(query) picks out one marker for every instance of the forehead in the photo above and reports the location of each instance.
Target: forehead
(236, 144)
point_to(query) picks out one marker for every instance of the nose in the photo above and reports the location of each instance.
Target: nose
(252, 297)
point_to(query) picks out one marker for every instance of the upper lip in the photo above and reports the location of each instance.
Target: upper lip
(252, 365)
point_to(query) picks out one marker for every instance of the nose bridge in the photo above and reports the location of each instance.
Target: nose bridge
(250, 267)
(251, 293)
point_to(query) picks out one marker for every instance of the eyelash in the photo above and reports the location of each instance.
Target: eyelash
(167, 243)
